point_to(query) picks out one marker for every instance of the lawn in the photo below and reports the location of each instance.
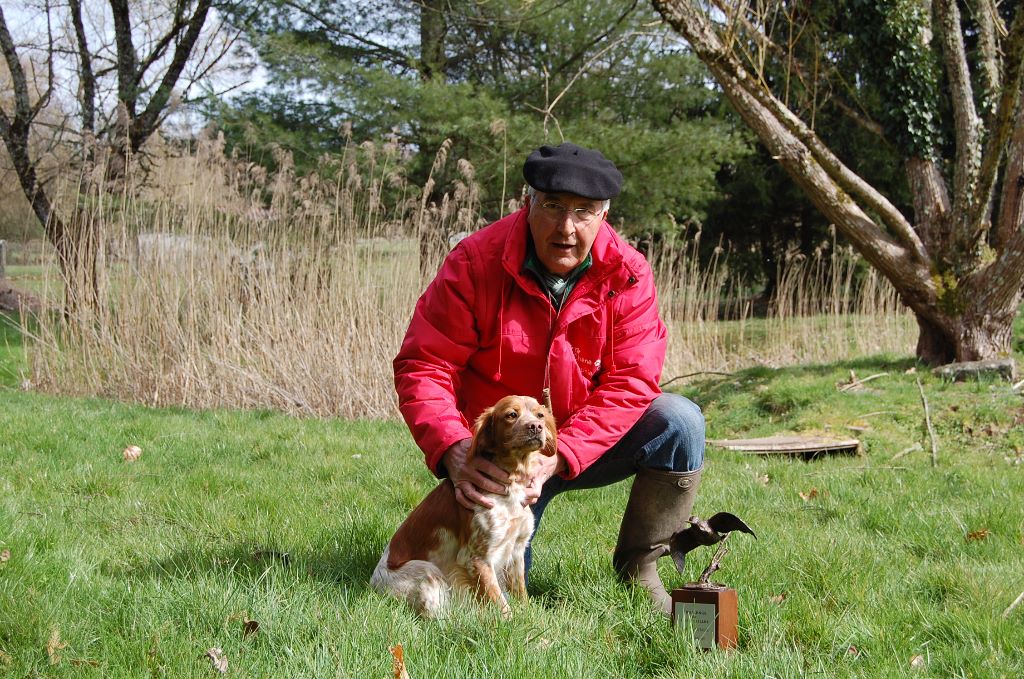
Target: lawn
(32, 278)
(256, 533)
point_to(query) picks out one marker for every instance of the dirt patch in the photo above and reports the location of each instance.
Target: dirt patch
(12, 299)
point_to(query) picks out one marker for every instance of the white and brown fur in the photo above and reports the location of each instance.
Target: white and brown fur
(443, 547)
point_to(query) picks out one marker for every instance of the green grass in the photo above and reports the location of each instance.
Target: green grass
(13, 364)
(35, 278)
(140, 567)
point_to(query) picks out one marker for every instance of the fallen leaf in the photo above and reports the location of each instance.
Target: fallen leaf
(218, 659)
(357, 456)
(852, 650)
(132, 453)
(543, 643)
(5, 659)
(79, 662)
(54, 646)
(778, 598)
(5, 555)
(249, 627)
(809, 495)
(763, 479)
(398, 665)
(917, 662)
(976, 535)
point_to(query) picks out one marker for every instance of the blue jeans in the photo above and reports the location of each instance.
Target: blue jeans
(669, 436)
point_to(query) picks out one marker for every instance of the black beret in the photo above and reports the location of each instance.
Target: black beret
(568, 168)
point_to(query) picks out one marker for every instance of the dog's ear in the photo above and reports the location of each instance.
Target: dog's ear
(551, 442)
(483, 434)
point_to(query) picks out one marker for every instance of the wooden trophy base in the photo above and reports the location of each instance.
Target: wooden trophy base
(711, 611)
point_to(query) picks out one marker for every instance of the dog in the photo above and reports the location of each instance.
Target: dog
(442, 547)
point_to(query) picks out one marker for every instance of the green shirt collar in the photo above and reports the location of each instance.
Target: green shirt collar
(556, 287)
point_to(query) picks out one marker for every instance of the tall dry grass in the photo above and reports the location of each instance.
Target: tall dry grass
(826, 307)
(225, 285)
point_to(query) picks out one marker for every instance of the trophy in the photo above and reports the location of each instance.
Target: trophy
(708, 608)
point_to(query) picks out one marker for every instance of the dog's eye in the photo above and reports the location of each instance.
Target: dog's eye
(512, 414)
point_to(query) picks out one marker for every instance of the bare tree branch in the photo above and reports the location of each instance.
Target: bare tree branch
(127, 83)
(986, 14)
(44, 97)
(85, 74)
(158, 50)
(1011, 212)
(968, 125)
(211, 63)
(999, 284)
(144, 125)
(1006, 112)
(22, 108)
(931, 202)
(856, 114)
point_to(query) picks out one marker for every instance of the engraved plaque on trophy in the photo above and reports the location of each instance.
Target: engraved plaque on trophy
(710, 611)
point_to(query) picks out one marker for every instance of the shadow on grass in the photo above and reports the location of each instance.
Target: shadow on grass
(349, 567)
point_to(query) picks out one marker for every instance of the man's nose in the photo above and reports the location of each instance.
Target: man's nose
(566, 223)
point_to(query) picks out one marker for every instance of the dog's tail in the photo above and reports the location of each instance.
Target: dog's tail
(420, 583)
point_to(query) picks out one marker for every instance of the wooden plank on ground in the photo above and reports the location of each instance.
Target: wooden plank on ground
(806, 446)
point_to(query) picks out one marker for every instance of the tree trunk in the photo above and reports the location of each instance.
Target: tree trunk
(78, 244)
(984, 338)
(970, 336)
(935, 345)
(433, 30)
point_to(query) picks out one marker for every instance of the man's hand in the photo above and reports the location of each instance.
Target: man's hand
(473, 477)
(548, 467)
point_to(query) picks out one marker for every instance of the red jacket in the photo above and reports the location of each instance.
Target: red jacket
(484, 329)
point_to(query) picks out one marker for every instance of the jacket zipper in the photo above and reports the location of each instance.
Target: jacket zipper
(554, 327)
(554, 324)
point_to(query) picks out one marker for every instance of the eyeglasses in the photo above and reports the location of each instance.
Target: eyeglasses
(579, 215)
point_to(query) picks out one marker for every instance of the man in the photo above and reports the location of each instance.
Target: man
(551, 296)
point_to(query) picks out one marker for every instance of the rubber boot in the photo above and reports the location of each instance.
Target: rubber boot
(659, 506)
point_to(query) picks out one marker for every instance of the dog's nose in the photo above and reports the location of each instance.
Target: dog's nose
(536, 427)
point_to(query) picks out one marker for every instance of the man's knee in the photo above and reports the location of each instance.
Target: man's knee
(684, 431)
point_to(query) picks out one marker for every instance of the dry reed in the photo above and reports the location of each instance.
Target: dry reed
(224, 285)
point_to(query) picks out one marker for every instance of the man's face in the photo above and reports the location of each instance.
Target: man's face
(564, 227)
